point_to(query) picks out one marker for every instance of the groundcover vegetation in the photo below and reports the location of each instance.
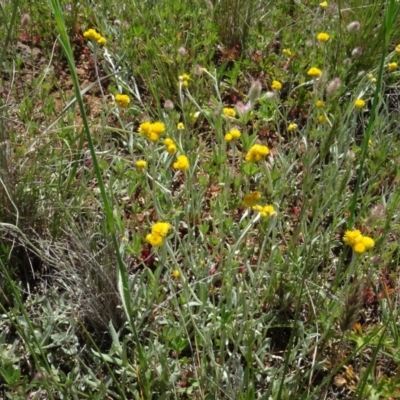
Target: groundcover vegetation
(199, 199)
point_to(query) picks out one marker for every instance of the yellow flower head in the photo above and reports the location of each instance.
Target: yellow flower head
(322, 119)
(122, 100)
(265, 211)
(154, 240)
(180, 126)
(352, 237)
(232, 135)
(102, 41)
(324, 4)
(251, 199)
(257, 153)
(229, 112)
(161, 228)
(141, 164)
(314, 72)
(287, 52)
(181, 163)
(392, 66)
(92, 34)
(158, 127)
(175, 273)
(359, 104)
(276, 85)
(323, 37)
(145, 128)
(368, 242)
(292, 127)
(319, 104)
(398, 49)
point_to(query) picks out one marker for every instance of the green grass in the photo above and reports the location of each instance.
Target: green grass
(232, 305)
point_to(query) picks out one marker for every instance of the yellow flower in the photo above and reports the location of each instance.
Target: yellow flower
(359, 248)
(323, 37)
(257, 153)
(292, 127)
(392, 66)
(276, 85)
(314, 72)
(229, 112)
(324, 4)
(398, 49)
(154, 240)
(322, 119)
(158, 127)
(102, 41)
(151, 131)
(175, 273)
(319, 104)
(359, 103)
(161, 229)
(181, 163)
(371, 78)
(123, 100)
(353, 237)
(180, 126)
(141, 164)
(170, 146)
(287, 52)
(184, 79)
(145, 128)
(92, 34)
(368, 242)
(251, 199)
(265, 211)
(232, 135)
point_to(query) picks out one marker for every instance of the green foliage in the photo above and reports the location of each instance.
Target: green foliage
(236, 302)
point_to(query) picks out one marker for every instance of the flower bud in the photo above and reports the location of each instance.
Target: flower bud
(168, 105)
(25, 20)
(357, 52)
(333, 86)
(182, 51)
(353, 26)
(255, 92)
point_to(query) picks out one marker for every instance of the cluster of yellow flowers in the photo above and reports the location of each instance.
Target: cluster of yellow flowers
(232, 135)
(265, 211)
(158, 232)
(181, 163)
(292, 127)
(323, 5)
(257, 152)
(357, 241)
(93, 35)
(122, 100)
(251, 199)
(152, 131)
(180, 126)
(170, 146)
(184, 79)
